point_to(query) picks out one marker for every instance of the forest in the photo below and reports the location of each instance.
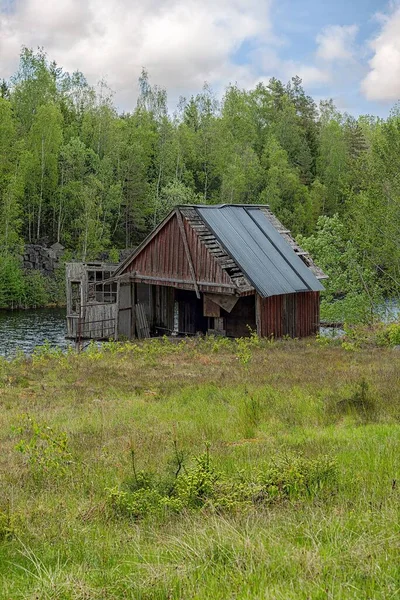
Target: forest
(75, 170)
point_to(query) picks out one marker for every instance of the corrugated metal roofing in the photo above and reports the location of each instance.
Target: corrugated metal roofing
(269, 263)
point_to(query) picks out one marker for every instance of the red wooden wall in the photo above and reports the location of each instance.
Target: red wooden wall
(164, 257)
(296, 315)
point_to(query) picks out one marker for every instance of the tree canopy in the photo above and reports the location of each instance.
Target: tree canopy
(74, 170)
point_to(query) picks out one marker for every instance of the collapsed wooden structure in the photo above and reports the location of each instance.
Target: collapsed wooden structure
(225, 269)
(92, 308)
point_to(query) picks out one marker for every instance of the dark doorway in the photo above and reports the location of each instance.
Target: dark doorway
(241, 321)
(190, 309)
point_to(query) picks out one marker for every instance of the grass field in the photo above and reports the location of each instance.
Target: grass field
(203, 469)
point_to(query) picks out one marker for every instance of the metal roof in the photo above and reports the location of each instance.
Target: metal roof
(269, 263)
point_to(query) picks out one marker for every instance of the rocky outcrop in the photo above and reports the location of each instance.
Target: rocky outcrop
(41, 258)
(46, 259)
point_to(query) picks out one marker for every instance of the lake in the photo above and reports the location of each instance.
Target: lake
(25, 329)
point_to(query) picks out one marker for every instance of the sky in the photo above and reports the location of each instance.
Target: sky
(347, 50)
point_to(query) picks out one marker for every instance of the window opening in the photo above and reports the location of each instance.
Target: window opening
(75, 297)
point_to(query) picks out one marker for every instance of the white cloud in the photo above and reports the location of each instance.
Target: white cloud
(182, 43)
(272, 65)
(336, 42)
(383, 79)
(311, 75)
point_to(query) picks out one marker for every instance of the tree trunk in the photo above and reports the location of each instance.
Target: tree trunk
(41, 192)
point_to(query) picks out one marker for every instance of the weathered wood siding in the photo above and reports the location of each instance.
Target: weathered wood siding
(96, 322)
(86, 317)
(164, 258)
(295, 315)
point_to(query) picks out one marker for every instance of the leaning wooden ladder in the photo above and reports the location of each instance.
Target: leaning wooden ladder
(142, 325)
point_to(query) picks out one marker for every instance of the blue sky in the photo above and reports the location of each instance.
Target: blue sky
(348, 51)
(300, 21)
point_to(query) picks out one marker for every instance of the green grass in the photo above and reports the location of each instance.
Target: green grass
(255, 404)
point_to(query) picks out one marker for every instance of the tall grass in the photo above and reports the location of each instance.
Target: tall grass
(69, 424)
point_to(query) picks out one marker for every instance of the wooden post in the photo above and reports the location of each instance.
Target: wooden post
(258, 315)
(133, 310)
(117, 312)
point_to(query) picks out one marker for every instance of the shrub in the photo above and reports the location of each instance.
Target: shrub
(7, 525)
(389, 336)
(12, 286)
(289, 478)
(294, 477)
(46, 450)
(36, 289)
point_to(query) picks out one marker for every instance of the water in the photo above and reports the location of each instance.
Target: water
(26, 329)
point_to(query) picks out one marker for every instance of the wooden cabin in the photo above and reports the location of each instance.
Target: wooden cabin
(92, 307)
(226, 269)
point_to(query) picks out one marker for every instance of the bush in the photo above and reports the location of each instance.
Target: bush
(46, 450)
(200, 486)
(12, 285)
(389, 336)
(36, 289)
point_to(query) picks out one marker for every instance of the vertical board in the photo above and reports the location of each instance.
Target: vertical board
(165, 257)
(125, 311)
(210, 309)
(295, 315)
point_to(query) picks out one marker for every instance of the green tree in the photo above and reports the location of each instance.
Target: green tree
(287, 196)
(45, 140)
(352, 292)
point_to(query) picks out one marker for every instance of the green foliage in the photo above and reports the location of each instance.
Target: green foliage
(12, 285)
(45, 449)
(389, 335)
(201, 486)
(25, 289)
(8, 524)
(36, 289)
(294, 477)
(352, 292)
(73, 170)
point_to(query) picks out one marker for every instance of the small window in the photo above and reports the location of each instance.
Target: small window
(91, 276)
(75, 297)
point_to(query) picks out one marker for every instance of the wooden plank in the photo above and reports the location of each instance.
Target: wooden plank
(155, 280)
(210, 308)
(222, 300)
(187, 251)
(133, 319)
(117, 319)
(259, 323)
(142, 324)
